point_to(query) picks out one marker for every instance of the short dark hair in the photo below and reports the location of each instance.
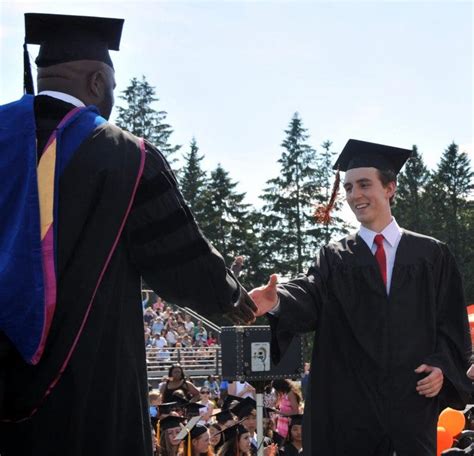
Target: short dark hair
(386, 176)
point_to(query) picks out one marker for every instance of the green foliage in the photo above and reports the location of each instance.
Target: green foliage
(141, 119)
(291, 235)
(193, 180)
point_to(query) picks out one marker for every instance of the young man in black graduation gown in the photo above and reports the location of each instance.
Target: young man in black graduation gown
(88, 393)
(391, 332)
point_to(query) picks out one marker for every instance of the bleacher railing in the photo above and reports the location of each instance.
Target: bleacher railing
(196, 361)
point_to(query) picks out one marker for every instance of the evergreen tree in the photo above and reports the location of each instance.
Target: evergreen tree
(141, 119)
(193, 180)
(225, 217)
(289, 202)
(450, 215)
(410, 202)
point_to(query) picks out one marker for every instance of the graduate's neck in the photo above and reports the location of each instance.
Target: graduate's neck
(378, 225)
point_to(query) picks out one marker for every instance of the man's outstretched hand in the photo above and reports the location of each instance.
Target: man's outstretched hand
(266, 297)
(244, 312)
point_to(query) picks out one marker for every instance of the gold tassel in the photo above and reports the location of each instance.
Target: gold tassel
(189, 444)
(158, 432)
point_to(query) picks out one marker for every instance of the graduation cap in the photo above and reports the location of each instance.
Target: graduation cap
(233, 431)
(167, 407)
(228, 401)
(64, 38)
(296, 419)
(223, 416)
(244, 407)
(171, 421)
(362, 154)
(192, 408)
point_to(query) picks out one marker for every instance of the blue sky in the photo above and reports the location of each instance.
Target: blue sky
(233, 73)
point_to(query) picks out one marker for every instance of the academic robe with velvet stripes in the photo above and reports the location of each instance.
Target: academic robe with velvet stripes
(362, 397)
(88, 396)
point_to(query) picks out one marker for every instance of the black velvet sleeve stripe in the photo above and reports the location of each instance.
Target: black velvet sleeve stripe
(177, 257)
(162, 227)
(153, 188)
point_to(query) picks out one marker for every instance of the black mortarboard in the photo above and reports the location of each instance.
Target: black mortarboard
(168, 407)
(192, 408)
(64, 38)
(296, 419)
(228, 401)
(171, 421)
(198, 430)
(244, 408)
(361, 154)
(233, 431)
(223, 416)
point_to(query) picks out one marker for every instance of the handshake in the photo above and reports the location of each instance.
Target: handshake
(255, 303)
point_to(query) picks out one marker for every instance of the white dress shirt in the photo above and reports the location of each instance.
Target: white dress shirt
(392, 234)
(64, 97)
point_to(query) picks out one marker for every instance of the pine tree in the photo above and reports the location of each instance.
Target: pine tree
(225, 217)
(450, 215)
(410, 200)
(141, 119)
(193, 180)
(289, 202)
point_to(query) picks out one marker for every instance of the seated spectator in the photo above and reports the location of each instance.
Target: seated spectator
(200, 337)
(212, 385)
(211, 339)
(149, 315)
(188, 323)
(199, 328)
(208, 409)
(157, 325)
(171, 337)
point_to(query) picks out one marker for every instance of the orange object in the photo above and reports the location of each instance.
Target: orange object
(452, 420)
(444, 440)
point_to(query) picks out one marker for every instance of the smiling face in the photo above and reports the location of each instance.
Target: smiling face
(368, 198)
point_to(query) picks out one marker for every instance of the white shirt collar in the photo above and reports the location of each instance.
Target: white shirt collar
(64, 97)
(391, 233)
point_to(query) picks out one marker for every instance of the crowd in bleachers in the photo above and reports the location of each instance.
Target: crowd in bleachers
(166, 327)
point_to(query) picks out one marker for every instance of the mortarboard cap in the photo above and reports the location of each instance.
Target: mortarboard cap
(233, 431)
(192, 408)
(171, 421)
(229, 400)
(64, 38)
(167, 407)
(244, 408)
(296, 419)
(361, 154)
(223, 416)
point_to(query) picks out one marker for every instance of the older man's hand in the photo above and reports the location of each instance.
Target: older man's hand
(244, 311)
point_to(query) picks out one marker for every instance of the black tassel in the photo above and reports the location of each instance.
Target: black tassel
(28, 86)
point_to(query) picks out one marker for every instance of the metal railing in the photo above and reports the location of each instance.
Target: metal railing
(196, 361)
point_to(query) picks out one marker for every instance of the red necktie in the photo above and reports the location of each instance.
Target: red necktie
(380, 257)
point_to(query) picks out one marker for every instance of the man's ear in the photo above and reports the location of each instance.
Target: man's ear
(96, 84)
(391, 188)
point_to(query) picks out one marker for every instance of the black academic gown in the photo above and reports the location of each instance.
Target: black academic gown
(90, 399)
(362, 392)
